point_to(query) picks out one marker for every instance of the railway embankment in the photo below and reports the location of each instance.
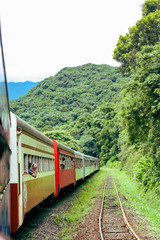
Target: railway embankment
(75, 215)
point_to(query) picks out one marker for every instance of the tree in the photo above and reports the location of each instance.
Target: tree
(64, 137)
(140, 109)
(145, 32)
(150, 6)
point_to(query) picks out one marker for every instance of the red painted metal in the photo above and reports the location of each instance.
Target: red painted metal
(56, 155)
(66, 177)
(14, 207)
(66, 153)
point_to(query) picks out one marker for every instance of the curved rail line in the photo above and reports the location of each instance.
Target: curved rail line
(123, 213)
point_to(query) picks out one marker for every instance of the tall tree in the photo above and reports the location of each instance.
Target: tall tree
(141, 101)
(145, 32)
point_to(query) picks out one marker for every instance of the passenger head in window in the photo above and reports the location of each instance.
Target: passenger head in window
(62, 166)
(32, 170)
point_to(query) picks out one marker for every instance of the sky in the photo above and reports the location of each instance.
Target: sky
(40, 37)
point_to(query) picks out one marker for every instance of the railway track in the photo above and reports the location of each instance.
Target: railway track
(113, 224)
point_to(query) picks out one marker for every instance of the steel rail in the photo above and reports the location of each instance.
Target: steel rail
(124, 215)
(100, 216)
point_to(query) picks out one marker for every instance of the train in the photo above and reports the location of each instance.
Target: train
(4, 150)
(21, 145)
(58, 166)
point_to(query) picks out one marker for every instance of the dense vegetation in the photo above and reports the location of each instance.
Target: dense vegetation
(77, 107)
(139, 52)
(94, 109)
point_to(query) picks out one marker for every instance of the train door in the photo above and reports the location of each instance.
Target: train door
(4, 149)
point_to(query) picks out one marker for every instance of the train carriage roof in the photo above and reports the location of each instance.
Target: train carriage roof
(78, 154)
(65, 148)
(29, 129)
(87, 157)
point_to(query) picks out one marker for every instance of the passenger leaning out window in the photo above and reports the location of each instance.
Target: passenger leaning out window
(32, 170)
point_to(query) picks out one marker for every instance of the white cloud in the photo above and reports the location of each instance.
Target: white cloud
(42, 36)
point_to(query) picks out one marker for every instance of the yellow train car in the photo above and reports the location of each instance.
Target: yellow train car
(29, 146)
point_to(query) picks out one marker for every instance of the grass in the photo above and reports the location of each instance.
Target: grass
(144, 203)
(83, 203)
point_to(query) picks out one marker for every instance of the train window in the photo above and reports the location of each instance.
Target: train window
(49, 165)
(62, 161)
(29, 158)
(36, 160)
(78, 163)
(46, 164)
(33, 159)
(72, 163)
(69, 162)
(25, 162)
(86, 163)
(43, 164)
(66, 162)
(38, 163)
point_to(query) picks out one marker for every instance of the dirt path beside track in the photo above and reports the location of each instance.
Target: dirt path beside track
(45, 222)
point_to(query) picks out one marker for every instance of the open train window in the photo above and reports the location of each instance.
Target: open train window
(78, 163)
(43, 164)
(25, 162)
(66, 162)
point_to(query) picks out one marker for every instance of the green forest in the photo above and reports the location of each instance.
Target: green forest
(109, 112)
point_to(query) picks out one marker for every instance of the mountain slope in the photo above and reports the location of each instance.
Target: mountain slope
(71, 93)
(75, 102)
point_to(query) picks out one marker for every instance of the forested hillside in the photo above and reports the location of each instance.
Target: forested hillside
(77, 106)
(139, 54)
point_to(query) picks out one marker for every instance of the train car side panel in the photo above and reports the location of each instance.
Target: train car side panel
(14, 207)
(79, 174)
(37, 189)
(14, 185)
(66, 177)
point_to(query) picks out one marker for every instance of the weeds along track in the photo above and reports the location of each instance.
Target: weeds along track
(113, 224)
